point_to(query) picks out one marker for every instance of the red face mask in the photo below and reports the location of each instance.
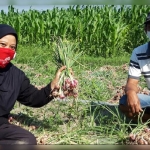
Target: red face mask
(6, 55)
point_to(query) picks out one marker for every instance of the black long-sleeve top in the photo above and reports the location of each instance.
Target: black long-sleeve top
(15, 86)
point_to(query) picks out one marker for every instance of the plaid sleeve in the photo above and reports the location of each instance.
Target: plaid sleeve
(134, 67)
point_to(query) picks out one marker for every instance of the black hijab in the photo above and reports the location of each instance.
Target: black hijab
(9, 77)
(6, 30)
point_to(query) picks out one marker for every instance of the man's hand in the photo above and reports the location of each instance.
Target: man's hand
(133, 103)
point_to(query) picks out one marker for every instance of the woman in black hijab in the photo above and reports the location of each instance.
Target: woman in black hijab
(14, 85)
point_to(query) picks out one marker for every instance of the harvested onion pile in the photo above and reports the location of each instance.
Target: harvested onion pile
(64, 55)
(140, 137)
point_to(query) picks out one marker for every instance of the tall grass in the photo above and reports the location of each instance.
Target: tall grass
(105, 31)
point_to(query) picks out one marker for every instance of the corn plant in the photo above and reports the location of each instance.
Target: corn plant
(106, 30)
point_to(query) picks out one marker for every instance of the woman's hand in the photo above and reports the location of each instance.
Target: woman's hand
(55, 82)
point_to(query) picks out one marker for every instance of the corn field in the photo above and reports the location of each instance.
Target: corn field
(105, 31)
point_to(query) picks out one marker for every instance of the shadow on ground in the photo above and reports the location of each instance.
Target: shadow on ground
(110, 111)
(25, 120)
(109, 115)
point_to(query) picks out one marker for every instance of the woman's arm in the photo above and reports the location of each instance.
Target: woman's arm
(33, 97)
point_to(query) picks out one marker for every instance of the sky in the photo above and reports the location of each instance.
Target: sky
(72, 2)
(27, 7)
(49, 4)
